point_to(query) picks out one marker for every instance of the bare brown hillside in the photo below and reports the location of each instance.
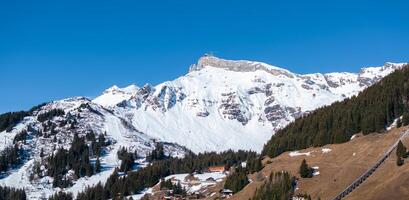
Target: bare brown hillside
(388, 182)
(343, 164)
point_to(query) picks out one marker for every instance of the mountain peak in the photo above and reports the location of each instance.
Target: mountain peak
(379, 72)
(114, 95)
(112, 89)
(130, 89)
(237, 65)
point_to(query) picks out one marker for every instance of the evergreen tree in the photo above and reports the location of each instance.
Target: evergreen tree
(405, 119)
(7, 193)
(305, 170)
(127, 160)
(21, 136)
(157, 154)
(398, 123)
(10, 157)
(166, 184)
(178, 189)
(61, 196)
(399, 161)
(77, 158)
(401, 150)
(237, 181)
(254, 164)
(97, 166)
(41, 153)
(10, 119)
(279, 186)
(50, 114)
(94, 193)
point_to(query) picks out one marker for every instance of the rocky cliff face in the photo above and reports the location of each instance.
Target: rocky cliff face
(224, 104)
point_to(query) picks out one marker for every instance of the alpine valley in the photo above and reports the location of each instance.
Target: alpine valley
(218, 105)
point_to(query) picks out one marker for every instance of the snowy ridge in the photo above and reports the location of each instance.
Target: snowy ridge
(114, 95)
(224, 104)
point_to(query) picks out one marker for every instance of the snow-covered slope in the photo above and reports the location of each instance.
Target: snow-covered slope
(224, 104)
(82, 117)
(114, 95)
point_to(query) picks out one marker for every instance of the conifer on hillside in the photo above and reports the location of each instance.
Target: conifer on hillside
(401, 150)
(399, 161)
(237, 181)
(305, 170)
(405, 119)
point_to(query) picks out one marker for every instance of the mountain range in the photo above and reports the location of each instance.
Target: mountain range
(224, 104)
(218, 105)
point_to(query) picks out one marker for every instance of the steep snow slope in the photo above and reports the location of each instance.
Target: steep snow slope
(223, 104)
(81, 116)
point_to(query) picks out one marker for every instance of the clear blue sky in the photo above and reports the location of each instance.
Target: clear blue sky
(55, 49)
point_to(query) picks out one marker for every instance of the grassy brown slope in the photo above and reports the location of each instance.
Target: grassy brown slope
(388, 182)
(337, 168)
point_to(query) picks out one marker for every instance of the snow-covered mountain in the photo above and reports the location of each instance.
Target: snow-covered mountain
(46, 137)
(218, 105)
(224, 104)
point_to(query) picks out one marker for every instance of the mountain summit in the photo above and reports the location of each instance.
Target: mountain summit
(237, 65)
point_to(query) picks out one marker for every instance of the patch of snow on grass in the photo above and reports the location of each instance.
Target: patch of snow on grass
(354, 136)
(297, 153)
(316, 172)
(326, 150)
(139, 196)
(394, 123)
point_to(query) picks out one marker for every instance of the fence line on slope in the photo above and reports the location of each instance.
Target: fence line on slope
(370, 171)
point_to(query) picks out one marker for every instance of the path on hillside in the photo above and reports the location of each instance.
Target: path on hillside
(370, 171)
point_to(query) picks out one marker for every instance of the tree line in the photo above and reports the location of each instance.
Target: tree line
(50, 114)
(136, 181)
(372, 110)
(10, 119)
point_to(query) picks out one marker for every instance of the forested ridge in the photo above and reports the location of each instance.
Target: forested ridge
(10, 119)
(371, 111)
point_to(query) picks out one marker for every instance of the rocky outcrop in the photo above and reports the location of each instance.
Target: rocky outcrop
(238, 66)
